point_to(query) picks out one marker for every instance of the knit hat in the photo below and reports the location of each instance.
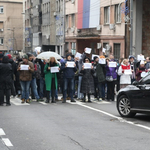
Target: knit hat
(131, 57)
(24, 57)
(95, 57)
(9, 56)
(142, 62)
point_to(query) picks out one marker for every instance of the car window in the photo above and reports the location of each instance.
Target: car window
(145, 80)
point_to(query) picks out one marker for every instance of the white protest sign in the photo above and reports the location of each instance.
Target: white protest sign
(88, 50)
(70, 64)
(144, 74)
(54, 69)
(78, 55)
(112, 64)
(93, 55)
(102, 61)
(127, 71)
(140, 57)
(24, 67)
(104, 50)
(87, 65)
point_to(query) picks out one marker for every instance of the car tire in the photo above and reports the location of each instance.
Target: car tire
(124, 107)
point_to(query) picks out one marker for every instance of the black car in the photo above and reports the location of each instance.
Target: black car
(134, 98)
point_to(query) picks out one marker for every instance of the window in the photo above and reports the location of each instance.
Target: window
(106, 15)
(117, 14)
(67, 21)
(1, 41)
(117, 51)
(1, 9)
(73, 48)
(73, 20)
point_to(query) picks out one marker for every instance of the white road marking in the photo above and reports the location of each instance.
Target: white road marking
(43, 103)
(101, 102)
(113, 116)
(17, 102)
(2, 132)
(7, 142)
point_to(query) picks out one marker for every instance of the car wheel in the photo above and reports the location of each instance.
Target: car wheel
(124, 107)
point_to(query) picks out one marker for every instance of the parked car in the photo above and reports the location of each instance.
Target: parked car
(134, 98)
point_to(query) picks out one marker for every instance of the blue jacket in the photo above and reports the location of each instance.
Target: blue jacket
(68, 72)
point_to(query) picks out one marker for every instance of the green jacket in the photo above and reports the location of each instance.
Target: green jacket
(48, 78)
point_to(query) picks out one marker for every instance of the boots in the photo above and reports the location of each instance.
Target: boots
(47, 97)
(53, 100)
(27, 101)
(84, 98)
(89, 98)
(23, 101)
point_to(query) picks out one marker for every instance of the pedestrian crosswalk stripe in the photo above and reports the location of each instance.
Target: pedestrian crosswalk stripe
(2, 132)
(7, 142)
(17, 102)
(43, 103)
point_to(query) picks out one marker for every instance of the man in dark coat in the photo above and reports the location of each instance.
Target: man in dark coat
(14, 69)
(5, 80)
(1, 57)
(68, 77)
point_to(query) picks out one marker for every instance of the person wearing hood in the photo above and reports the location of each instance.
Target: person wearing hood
(140, 69)
(125, 79)
(68, 77)
(5, 80)
(14, 69)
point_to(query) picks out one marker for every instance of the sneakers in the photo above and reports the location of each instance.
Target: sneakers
(73, 100)
(64, 101)
(8, 104)
(100, 99)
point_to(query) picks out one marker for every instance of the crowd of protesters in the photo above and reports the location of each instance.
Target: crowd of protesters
(38, 82)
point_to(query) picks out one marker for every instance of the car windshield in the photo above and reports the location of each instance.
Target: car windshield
(145, 80)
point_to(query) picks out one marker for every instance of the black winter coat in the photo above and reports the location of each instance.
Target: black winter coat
(87, 84)
(5, 76)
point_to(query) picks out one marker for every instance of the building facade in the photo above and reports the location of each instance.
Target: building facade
(11, 26)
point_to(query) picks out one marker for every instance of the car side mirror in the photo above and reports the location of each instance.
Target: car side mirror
(135, 83)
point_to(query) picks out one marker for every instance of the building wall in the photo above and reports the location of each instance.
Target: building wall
(12, 19)
(146, 28)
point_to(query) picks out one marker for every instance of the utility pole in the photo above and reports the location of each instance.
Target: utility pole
(64, 16)
(131, 28)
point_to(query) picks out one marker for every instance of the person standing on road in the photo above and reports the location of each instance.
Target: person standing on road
(68, 73)
(125, 79)
(1, 57)
(5, 80)
(87, 84)
(25, 78)
(51, 79)
(111, 78)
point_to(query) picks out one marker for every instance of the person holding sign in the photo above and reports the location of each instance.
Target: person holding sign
(125, 73)
(25, 68)
(69, 68)
(111, 77)
(139, 70)
(51, 79)
(87, 84)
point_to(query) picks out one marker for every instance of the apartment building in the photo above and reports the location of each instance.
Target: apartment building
(11, 26)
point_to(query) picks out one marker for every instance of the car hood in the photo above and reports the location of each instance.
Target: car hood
(127, 88)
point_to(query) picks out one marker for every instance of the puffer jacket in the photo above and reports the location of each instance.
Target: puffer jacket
(26, 75)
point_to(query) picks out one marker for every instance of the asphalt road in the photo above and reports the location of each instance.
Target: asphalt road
(77, 126)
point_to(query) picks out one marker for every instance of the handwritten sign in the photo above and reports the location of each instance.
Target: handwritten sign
(112, 64)
(24, 67)
(87, 65)
(102, 61)
(54, 69)
(88, 50)
(70, 64)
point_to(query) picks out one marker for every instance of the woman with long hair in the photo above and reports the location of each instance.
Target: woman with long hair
(50, 79)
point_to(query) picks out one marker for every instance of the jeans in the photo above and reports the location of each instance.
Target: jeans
(102, 90)
(25, 87)
(98, 89)
(70, 82)
(56, 94)
(34, 88)
(80, 95)
(8, 93)
(110, 90)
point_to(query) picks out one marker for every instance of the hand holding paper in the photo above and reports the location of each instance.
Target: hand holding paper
(54, 69)
(87, 65)
(24, 67)
(70, 64)
(112, 64)
(88, 50)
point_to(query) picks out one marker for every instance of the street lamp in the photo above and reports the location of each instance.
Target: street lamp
(13, 37)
